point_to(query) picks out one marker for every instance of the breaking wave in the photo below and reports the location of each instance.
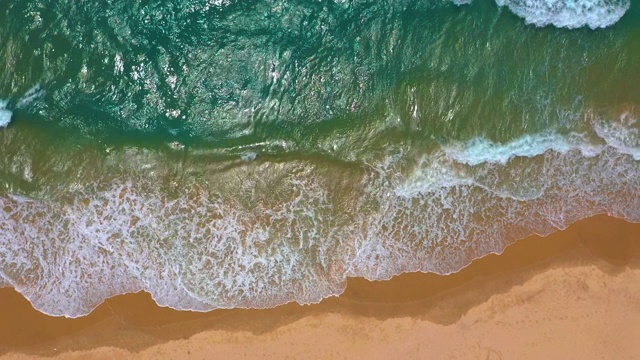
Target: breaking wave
(568, 13)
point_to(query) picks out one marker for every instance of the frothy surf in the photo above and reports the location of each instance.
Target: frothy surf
(32, 95)
(5, 115)
(289, 231)
(569, 14)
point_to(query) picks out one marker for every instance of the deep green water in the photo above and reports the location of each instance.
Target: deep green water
(249, 153)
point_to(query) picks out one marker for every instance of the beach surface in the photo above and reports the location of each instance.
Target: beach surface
(574, 294)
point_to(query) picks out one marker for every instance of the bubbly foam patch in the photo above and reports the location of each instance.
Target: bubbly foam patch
(5, 115)
(290, 231)
(623, 134)
(443, 230)
(568, 13)
(482, 150)
(4, 283)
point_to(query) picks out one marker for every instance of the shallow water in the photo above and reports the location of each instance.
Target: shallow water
(251, 153)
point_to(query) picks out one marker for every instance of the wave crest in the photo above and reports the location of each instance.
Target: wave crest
(568, 13)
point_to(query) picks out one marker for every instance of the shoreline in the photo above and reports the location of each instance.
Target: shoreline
(133, 323)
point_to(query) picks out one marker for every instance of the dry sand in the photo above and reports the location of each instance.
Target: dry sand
(572, 295)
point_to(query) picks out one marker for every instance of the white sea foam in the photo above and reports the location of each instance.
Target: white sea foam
(569, 13)
(623, 134)
(5, 115)
(433, 173)
(197, 252)
(249, 156)
(32, 95)
(282, 234)
(481, 150)
(4, 282)
(443, 229)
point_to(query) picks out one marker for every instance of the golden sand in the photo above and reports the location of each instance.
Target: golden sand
(574, 294)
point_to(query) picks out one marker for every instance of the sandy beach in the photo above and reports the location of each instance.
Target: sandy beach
(572, 295)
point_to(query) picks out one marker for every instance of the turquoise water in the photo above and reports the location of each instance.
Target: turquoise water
(223, 154)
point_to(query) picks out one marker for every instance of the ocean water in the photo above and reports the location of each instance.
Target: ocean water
(245, 154)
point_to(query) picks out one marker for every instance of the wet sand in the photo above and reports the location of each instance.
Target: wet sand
(574, 294)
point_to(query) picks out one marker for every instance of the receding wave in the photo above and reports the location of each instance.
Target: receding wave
(262, 233)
